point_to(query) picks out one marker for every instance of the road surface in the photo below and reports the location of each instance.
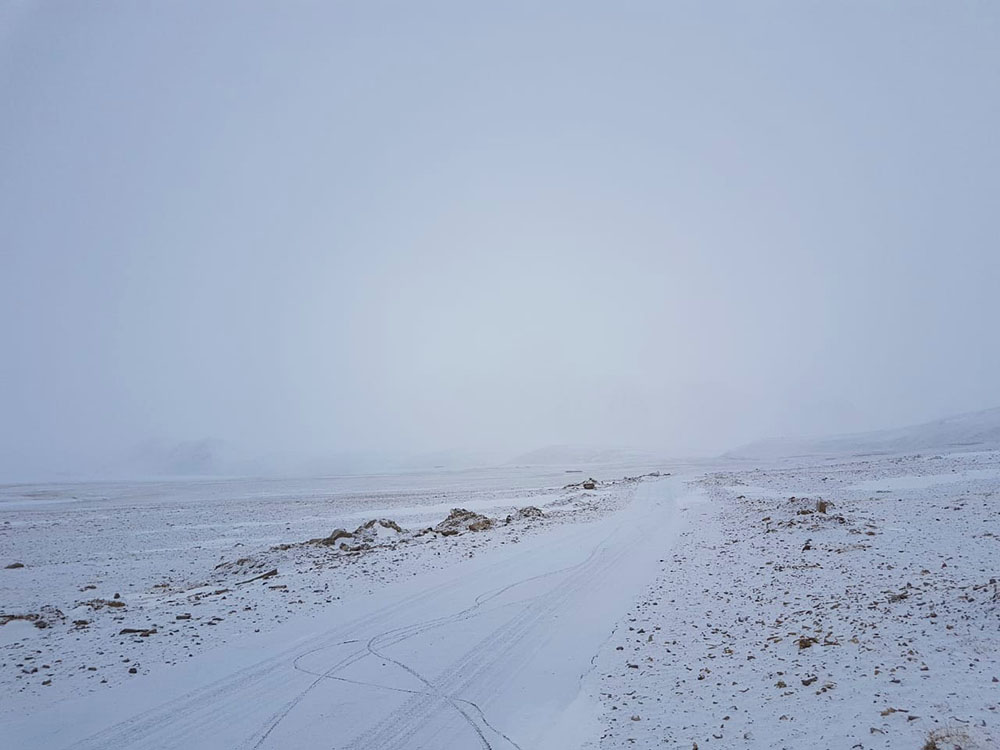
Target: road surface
(489, 654)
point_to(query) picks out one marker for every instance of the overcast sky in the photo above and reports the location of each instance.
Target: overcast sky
(310, 227)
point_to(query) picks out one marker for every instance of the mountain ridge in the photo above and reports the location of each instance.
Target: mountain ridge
(972, 430)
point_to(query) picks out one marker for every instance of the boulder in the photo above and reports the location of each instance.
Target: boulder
(460, 520)
(379, 530)
(329, 541)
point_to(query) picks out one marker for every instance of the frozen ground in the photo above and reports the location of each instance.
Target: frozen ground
(825, 603)
(150, 592)
(874, 624)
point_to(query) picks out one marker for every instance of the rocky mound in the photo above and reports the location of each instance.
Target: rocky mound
(378, 530)
(525, 514)
(375, 531)
(460, 520)
(46, 617)
(335, 536)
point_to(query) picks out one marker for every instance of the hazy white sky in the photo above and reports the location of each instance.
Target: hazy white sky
(311, 227)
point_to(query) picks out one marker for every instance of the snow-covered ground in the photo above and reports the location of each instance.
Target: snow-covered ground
(873, 624)
(153, 591)
(845, 602)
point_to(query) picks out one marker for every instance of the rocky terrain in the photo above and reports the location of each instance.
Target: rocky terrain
(842, 604)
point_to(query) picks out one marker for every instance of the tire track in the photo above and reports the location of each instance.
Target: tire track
(236, 698)
(476, 669)
(187, 716)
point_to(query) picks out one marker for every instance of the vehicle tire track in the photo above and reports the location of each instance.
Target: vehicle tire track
(187, 716)
(476, 668)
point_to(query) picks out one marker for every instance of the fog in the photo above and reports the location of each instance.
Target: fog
(315, 228)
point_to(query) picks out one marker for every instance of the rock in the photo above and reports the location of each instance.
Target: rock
(46, 617)
(49, 616)
(269, 574)
(97, 604)
(344, 547)
(460, 520)
(379, 530)
(142, 632)
(329, 541)
(587, 484)
(385, 523)
(525, 513)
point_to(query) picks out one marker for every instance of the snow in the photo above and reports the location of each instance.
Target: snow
(892, 592)
(475, 611)
(724, 606)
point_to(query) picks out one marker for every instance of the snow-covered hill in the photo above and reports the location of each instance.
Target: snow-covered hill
(972, 431)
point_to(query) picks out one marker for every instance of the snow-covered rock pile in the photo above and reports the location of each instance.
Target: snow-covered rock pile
(371, 536)
(527, 513)
(373, 532)
(461, 520)
(46, 617)
(593, 484)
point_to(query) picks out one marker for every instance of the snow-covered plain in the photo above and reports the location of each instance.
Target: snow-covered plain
(838, 602)
(873, 624)
(167, 627)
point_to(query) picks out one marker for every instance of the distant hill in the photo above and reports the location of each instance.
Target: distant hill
(973, 431)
